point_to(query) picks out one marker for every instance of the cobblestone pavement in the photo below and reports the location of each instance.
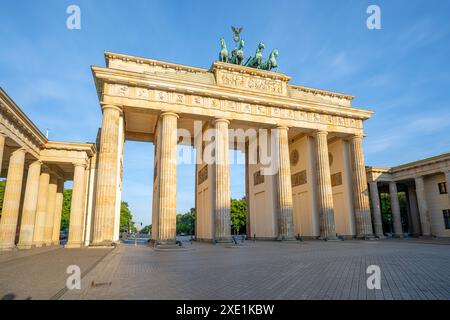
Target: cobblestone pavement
(410, 269)
(41, 273)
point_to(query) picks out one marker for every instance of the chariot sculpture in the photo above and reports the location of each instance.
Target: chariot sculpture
(237, 54)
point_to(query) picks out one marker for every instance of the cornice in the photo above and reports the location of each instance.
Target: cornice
(130, 78)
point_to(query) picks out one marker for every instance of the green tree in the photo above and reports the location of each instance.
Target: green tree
(186, 222)
(126, 218)
(65, 215)
(147, 229)
(238, 215)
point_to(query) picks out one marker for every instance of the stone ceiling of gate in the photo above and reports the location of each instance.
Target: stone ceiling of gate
(252, 96)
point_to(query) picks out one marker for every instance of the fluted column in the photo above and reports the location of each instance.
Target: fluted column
(167, 214)
(58, 212)
(41, 208)
(285, 219)
(2, 148)
(222, 182)
(11, 201)
(423, 206)
(76, 223)
(395, 208)
(51, 197)
(413, 211)
(325, 193)
(105, 200)
(360, 192)
(29, 206)
(377, 222)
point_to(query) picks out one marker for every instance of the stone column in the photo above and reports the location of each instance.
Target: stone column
(413, 211)
(377, 221)
(222, 181)
(360, 192)
(58, 212)
(167, 213)
(2, 148)
(325, 193)
(76, 223)
(395, 208)
(285, 219)
(423, 206)
(41, 208)
(29, 206)
(105, 200)
(51, 197)
(11, 201)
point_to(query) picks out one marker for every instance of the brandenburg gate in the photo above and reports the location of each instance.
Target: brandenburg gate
(319, 189)
(305, 173)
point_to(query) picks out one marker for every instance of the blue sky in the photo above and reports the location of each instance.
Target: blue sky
(401, 71)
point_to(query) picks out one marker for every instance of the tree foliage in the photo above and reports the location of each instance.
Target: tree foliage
(239, 215)
(186, 222)
(126, 218)
(65, 215)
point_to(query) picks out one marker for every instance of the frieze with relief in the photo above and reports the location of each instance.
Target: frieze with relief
(232, 106)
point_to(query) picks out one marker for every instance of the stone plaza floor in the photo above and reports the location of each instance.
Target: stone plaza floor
(410, 269)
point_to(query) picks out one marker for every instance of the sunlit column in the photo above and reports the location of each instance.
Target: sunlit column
(360, 192)
(285, 219)
(41, 208)
(325, 193)
(76, 223)
(58, 211)
(395, 207)
(11, 201)
(49, 218)
(29, 206)
(222, 182)
(168, 179)
(105, 200)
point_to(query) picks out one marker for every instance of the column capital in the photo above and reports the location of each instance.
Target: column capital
(79, 164)
(111, 106)
(221, 120)
(320, 133)
(355, 137)
(169, 113)
(21, 149)
(282, 127)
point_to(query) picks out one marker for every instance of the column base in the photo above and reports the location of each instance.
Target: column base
(284, 238)
(330, 238)
(7, 247)
(24, 246)
(365, 237)
(223, 240)
(73, 245)
(380, 236)
(103, 244)
(38, 244)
